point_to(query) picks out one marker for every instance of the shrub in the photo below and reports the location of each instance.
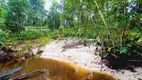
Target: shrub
(3, 35)
(34, 34)
(44, 40)
(70, 32)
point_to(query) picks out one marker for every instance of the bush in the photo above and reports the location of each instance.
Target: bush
(44, 40)
(83, 32)
(70, 32)
(3, 35)
(131, 44)
(34, 34)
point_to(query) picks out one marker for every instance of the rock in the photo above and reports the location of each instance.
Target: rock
(35, 50)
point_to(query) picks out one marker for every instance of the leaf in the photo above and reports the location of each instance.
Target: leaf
(109, 49)
(124, 50)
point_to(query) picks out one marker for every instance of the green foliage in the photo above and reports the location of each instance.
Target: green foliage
(3, 35)
(37, 4)
(2, 17)
(24, 12)
(37, 13)
(24, 35)
(70, 32)
(33, 34)
(17, 14)
(53, 17)
(124, 50)
(131, 43)
(44, 40)
(117, 25)
(81, 32)
(89, 32)
(55, 33)
(61, 28)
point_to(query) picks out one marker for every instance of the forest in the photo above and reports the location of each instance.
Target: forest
(113, 27)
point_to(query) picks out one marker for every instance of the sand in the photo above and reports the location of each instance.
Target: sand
(87, 56)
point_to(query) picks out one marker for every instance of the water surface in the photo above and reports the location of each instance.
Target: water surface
(53, 70)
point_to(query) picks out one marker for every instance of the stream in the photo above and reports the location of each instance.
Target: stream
(54, 70)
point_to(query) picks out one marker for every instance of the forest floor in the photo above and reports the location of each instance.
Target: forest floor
(71, 49)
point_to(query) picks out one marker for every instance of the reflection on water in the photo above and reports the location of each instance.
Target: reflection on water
(55, 70)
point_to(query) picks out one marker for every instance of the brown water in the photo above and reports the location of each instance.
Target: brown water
(55, 70)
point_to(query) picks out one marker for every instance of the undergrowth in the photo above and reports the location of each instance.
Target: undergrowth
(130, 48)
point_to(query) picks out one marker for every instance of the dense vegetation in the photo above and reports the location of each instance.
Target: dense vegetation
(117, 23)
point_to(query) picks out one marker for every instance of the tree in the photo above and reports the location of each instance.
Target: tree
(53, 16)
(37, 13)
(17, 14)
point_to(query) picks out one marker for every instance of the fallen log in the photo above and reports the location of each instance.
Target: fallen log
(10, 72)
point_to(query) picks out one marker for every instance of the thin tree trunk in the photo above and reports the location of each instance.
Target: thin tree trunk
(106, 26)
(123, 28)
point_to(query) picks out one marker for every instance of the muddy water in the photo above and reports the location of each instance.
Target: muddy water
(54, 70)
